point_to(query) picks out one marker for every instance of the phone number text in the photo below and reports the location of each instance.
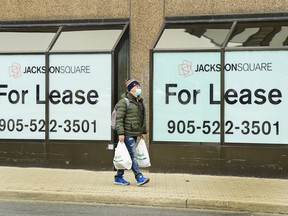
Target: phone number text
(213, 127)
(34, 125)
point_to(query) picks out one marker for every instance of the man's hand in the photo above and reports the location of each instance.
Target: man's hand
(121, 138)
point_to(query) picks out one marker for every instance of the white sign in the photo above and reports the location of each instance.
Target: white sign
(186, 97)
(21, 115)
(256, 97)
(79, 97)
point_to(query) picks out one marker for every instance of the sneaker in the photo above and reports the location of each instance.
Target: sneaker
(121, 181)
(141, 180)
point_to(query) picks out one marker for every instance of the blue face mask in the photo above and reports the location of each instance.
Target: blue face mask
(138, 91)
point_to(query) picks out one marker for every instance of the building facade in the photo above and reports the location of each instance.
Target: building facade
(141, 25)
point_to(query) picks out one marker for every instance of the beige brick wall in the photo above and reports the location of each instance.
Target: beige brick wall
(209, 7)
(63, 9)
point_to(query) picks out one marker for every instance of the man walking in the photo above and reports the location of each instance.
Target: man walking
(131, 124)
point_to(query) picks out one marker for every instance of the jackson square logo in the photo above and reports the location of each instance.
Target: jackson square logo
(185, 68)
(15, 70)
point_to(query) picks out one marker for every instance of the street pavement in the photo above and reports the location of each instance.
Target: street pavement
(164, 190)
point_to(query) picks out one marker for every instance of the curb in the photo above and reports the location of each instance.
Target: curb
(171, 202)
(175, 202)
(238, 206)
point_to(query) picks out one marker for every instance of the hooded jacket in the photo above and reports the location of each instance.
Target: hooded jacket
(130, 120)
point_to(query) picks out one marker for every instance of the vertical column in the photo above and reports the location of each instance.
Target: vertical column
(147, 18)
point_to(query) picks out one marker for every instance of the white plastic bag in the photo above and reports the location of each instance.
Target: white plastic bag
(122, 159)
(142, 154)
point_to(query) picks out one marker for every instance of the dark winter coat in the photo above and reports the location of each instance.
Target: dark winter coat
(131, 121)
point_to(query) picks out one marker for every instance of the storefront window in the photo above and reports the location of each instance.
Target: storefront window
(193, 36)
(87, 40)
(23, 40)
(232, 94)
(271, 34)
(57, 82)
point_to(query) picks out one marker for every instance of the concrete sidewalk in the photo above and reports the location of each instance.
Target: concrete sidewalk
(165, 190)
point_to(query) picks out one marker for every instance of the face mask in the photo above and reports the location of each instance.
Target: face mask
(138, 91)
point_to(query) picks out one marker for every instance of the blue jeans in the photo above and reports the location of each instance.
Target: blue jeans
(130, 143)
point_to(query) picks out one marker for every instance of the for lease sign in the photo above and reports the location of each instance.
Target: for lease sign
(186, 97)
(79, 96)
